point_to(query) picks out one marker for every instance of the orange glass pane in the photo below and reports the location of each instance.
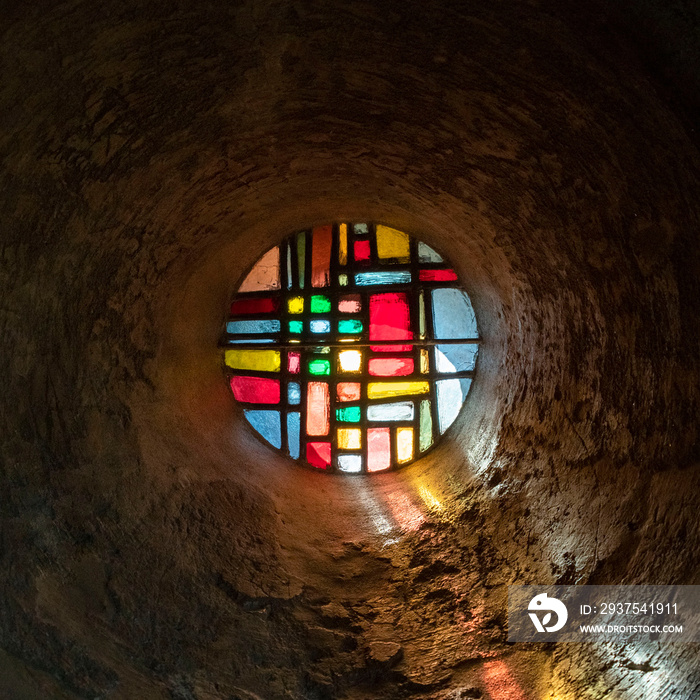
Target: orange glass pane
(321, 256)
(317, 408)
(378, 449)
(265, 274)
(343, 244)
(348, 391)
(390, 366)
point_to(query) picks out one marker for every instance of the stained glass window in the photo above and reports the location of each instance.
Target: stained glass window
(351, 347)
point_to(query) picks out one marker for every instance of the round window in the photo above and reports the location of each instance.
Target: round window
(351, 347)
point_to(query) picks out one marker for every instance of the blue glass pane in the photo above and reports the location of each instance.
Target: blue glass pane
(455, 358)
(267, 423)
(293, 428)
(427, 255)
(266, 326)
(453, 316)
(401, 410)
(350, 463)
(319, 326)
(363, 279)
(294, 393)
(450, 397)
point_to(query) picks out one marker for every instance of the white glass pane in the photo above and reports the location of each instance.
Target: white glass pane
(401, 410)
(453, 316)
(450, 397)
(455, 358)
(350, 463)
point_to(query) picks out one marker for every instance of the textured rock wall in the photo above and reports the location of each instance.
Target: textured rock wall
(151, 546)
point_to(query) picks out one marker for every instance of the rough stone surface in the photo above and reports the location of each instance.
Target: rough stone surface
(385, 652)
(152, 547)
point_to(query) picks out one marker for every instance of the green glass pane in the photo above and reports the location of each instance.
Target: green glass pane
(296, 326)
(320, 304)
(421, 314)
(348, 414)
(319, 366)
(350, 325)
(426, 426)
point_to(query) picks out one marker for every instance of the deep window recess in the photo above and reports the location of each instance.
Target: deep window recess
(351, 347)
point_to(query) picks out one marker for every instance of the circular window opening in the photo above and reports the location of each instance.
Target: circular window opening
(351, 347)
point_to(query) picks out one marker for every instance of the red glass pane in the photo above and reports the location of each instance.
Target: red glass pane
(256, 389)
(348, 391)
(389, 319)
(321, 256)
(293, 362)
(318, 454)
(438, 276)
(254, 306)
(378, 449)
(361, 249)
(390, 366)
(317, 408)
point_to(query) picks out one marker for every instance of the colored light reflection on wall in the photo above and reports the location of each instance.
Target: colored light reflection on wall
(429, 499)
(500, 683)
(352, 348)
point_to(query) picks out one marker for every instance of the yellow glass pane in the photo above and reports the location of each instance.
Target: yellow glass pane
(385, 390)
(343, 280)
(254, 360)
(350, 360)
(295, 305)
(392, 243)
(404, 444)
(343, 250)
(424, 362)
(349, 438)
